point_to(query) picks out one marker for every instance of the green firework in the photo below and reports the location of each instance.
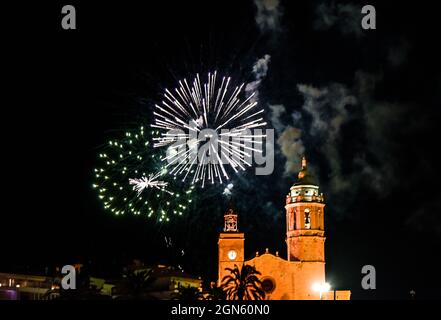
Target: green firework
(133, 157)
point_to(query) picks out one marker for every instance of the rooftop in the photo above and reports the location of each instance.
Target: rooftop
(304, 177)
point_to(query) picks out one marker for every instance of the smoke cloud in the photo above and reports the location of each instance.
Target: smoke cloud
(291, 145)
(346, 18)
(268, 15)
(277, 111)
(260, 70)
(334, 116)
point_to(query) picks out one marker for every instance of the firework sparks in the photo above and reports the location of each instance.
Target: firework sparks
(227, 191)
(150, 195)
(212, 111)
(148, 182)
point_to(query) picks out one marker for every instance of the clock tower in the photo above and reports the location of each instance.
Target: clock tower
(301, 276)
(231, 244)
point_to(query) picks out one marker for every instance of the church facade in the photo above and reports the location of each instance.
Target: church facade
(302, 275)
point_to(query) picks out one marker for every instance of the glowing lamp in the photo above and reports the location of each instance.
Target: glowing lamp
(321, 287)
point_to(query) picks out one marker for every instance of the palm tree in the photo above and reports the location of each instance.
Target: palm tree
(243, 284)
(136, 284)
(84, 290)
(215, 293)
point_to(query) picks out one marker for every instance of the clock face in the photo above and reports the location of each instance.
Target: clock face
(232, 254)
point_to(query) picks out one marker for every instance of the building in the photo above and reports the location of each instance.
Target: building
(164, 282)
(27, 287)
(169, 280)
(302, 275)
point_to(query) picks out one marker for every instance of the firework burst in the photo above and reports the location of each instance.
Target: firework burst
(131, 179)
(149, 182)
(208, 127)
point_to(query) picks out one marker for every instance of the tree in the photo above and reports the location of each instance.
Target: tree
(83, 291)
(136, 284)
(215, 293)
(243, 284)
(188, 294)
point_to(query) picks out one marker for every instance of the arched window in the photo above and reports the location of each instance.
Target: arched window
(294, 219)
(291, 218)
(307, 219)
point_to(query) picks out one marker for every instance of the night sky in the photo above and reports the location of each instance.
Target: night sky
(363, 105)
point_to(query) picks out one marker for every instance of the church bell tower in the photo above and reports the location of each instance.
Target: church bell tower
(231, 244)
(305, 219)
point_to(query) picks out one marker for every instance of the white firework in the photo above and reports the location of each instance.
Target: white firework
(185, 116)
(149, 182)
(227, 191)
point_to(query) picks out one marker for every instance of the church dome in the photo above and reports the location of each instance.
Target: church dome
(305, 189)
(304, 177)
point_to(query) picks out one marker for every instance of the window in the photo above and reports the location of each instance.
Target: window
(268, 285)
(307, 219)
(291, 218)
(294, 219)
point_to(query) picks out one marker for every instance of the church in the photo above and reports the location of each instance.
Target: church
(302, 275)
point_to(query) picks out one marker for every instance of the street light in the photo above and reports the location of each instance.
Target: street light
(321, 287)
